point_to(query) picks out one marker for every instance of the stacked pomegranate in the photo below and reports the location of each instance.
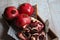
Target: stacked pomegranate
(30, 28)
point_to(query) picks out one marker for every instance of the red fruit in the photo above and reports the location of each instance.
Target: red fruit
(23, 20)
(26, 8)
(21, 36)
(10, 13)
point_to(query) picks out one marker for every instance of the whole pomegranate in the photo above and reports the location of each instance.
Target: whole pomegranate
(23, 20)
(26, 8)
(10, 12)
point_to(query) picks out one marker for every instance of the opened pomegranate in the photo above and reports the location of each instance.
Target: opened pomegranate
(36, 25)
(21, 36)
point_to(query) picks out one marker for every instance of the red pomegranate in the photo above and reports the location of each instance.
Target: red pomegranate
(23, 20)
(10, 12)
(26, 8)
(21, 36)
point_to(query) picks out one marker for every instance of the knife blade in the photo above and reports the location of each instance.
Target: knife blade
(46, 26)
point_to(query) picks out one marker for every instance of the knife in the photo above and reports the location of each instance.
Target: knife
(46, 28)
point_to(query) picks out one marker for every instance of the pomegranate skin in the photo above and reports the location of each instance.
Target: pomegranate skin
(26, 8)
(11, 12)
(23, 20)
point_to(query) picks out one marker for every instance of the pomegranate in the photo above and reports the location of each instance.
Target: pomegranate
(23, 20)
(10, 12)
(26, 8)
